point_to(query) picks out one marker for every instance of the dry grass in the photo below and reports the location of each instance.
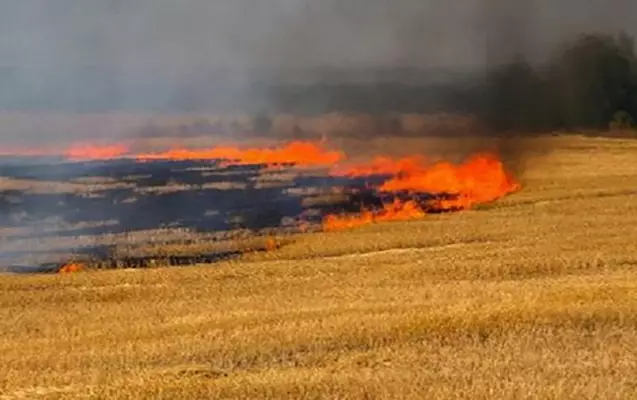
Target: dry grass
(533, 297)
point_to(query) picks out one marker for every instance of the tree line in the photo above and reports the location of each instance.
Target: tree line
(588, 83)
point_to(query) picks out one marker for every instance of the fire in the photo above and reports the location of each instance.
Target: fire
(82, 152)
(71, 267)
(395, 211)
(271, 244)
(75, 152)
(413, 185)
(381, 166)
(298, 152)
(480, 179)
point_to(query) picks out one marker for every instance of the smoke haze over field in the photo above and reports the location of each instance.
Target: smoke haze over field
(174, 37)
(162, 55)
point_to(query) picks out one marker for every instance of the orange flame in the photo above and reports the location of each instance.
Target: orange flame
(301, 153)
(75, 152)
(271, 244)
(71, 267)
(297, 152)
(381, 166)
(396, 211)
(480, 179)
(82, 152)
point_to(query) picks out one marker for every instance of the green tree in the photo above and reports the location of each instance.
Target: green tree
(584, 85)
(591, 79)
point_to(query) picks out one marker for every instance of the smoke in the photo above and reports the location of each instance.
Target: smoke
(161, 56)
(531, 31)
(147, 54)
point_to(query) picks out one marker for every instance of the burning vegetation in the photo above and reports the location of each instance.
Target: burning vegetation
(414, 188)
(383, 189)
(295, 187)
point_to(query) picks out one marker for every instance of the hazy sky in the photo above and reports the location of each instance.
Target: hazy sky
(146, 50)
(173, 35)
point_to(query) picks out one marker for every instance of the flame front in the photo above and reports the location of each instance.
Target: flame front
(88, 152)
(297, 152)
(382, 166)
(480, 179)
(394, 211)
(300, 153)
(71, 267)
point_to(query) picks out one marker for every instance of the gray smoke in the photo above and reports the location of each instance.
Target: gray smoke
(532, 28)
(151, 55)
(174, 38)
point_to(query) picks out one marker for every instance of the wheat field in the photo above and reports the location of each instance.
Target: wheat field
(534, 296)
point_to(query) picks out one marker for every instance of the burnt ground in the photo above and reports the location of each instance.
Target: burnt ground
(51, 209)
(191, 194)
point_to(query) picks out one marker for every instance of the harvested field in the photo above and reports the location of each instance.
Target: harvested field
(533, 296)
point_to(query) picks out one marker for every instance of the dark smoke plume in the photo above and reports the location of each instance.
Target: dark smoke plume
(554, 67)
